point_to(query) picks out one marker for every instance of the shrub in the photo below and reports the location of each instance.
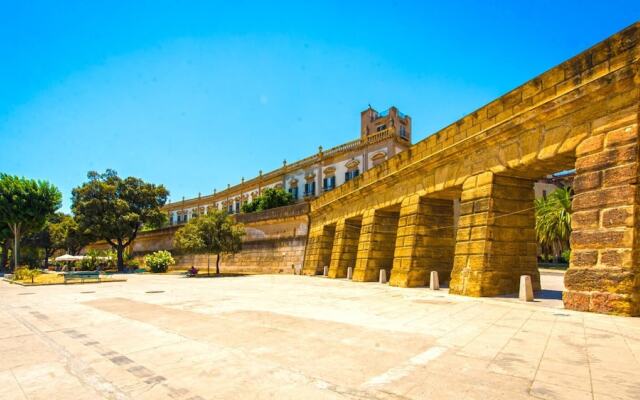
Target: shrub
(159, 261)
(95, 259)
(566, 256)
(90, 262)
(24, 273)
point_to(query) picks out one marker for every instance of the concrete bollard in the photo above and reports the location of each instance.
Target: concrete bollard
(383, 276)
(350, 273)
(526, 289)
(325, 272)
(297, 269)
(434, 283)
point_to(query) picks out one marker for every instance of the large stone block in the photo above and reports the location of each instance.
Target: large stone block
(504, 246)
(376, 248)
(604, 273)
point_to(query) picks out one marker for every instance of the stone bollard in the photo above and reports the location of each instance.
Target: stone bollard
(325, 272)
(383, 276)
(434, 283)
(526, 289)
(297, 269)
(350, 273)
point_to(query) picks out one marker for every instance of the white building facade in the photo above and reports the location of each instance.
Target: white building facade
(382, 135)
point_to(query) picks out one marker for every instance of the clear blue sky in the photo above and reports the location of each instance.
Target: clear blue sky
(196, 95)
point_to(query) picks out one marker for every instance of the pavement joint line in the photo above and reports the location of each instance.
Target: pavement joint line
(18, 383)
(75, 366)
(546, 345)
(463, 322)
(626, 340)
(586, 351)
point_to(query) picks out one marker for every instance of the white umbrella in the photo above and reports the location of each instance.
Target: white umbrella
(69, 257)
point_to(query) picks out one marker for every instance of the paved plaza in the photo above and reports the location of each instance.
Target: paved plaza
(298, 337)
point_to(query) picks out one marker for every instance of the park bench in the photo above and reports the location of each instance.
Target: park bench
(81, 275)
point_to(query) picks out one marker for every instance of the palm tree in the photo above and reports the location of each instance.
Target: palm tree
(553, 221)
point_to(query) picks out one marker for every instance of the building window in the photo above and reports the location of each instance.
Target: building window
(329, 183)
(230, 209)
(294, 192)
(310, 189)
(237, 206)
(381, 127)
(349, 175)
(403, 132)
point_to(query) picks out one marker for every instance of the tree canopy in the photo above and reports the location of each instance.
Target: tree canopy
(213, 233)
(60, 232)
(25, 205)
(269, 198)
(51, 237)
(114, 209)
(553, 220)
(76, 238)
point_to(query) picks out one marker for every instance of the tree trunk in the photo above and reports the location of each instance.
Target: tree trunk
(217, 264)
(5, 255)
(46, 259)
(208, 264)
(119, 251)
(16, 240)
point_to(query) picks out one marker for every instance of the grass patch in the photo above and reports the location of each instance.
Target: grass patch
(58, 279)
(554, 266)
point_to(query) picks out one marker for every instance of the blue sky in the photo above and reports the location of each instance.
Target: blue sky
(196, 95)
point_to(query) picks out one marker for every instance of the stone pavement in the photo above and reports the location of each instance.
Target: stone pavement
(298, 337)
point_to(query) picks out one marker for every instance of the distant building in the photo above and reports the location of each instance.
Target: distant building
(382, 135)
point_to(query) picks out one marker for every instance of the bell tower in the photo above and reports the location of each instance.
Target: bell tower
(391, 120)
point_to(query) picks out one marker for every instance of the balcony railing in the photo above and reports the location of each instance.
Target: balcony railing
(385, 113)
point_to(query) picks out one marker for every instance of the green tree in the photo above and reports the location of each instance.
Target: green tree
(553, 221)
(269, 198)
(213, 233)
(52, 236)
(75, 239)
(25, 205)
(114, 209)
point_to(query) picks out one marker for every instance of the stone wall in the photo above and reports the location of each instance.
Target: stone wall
(581, 114)
(275, 240)
(270, 256)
